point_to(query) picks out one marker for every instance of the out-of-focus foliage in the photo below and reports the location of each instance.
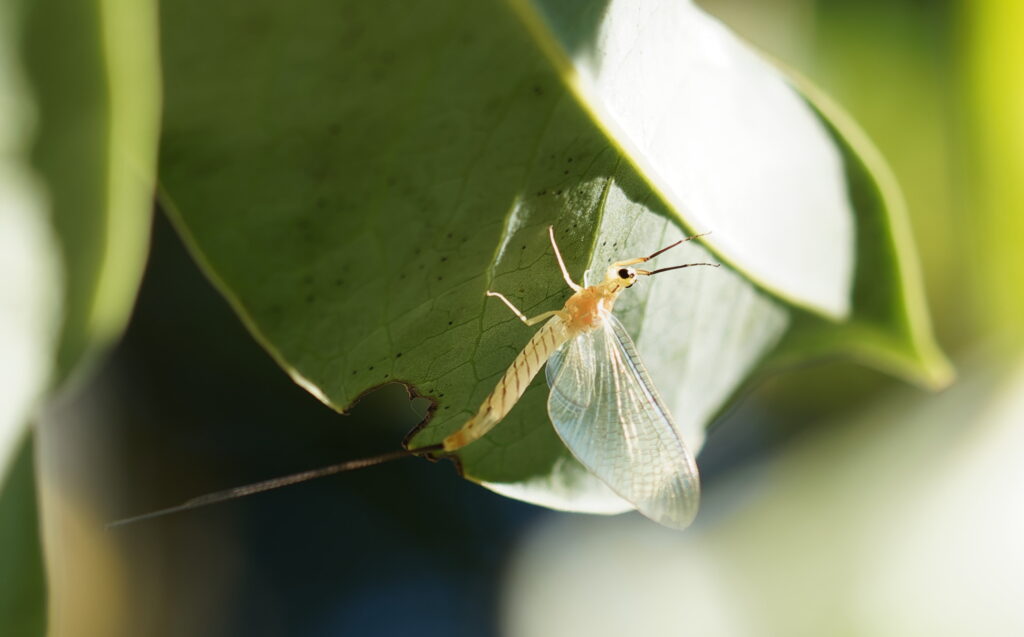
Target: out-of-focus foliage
(92, 77)
(22, 586)
(78, 150)
(900, 522)
(78, 131)
(30, 287)
(995, 101)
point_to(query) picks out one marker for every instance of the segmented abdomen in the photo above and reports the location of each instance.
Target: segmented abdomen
(512, 385)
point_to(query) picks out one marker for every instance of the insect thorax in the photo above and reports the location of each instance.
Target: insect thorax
(586, 307)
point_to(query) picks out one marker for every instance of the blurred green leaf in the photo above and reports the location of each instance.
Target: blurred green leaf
(901, 519)
(353, 177)
(78, 130)
(996, 95)
(30, 287)
(22, 587)
(716, 132)
(92, 71)
(889, 326)
(29, 326)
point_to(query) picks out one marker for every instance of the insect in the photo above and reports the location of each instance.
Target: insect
(602, 401)
(602, 404)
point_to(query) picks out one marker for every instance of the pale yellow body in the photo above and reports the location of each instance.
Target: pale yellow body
(582, 312)
(512, 385)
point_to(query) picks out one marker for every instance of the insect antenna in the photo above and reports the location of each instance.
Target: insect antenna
(276, 483)
(667, 248)
(676, 267)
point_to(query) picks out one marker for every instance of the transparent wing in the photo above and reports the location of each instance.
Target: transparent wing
(605, 408)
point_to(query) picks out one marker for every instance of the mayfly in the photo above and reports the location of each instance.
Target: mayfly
(602, 401)
(602, 404)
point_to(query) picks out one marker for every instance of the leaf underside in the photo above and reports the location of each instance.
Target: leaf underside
(354, 177)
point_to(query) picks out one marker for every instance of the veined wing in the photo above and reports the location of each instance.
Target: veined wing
(605, 408)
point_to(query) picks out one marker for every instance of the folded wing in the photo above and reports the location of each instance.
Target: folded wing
(605, 408)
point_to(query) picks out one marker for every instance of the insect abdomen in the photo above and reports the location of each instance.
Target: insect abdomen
(512, 385)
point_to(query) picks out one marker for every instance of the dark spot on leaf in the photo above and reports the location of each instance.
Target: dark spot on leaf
(443, 259)
(558, 192)
(337, 282)
(449, 322)
(398, 355)
(523, 248)
(371, 368)
(541, 193)
(440, 278)
(449, 235)
(537, 90)
(566, 172)
(570, 160)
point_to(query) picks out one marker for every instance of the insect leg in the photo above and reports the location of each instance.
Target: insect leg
(561, 263)
(522, 317)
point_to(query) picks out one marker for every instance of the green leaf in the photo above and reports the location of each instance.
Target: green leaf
(29, 332)
(22, 587)
(92, 71)
(901, 518)
(716, 132)
(30, 287)
(353, 177)
(889, 326)
(78, 131)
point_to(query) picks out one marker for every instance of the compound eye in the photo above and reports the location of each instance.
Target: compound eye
(624, 273)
